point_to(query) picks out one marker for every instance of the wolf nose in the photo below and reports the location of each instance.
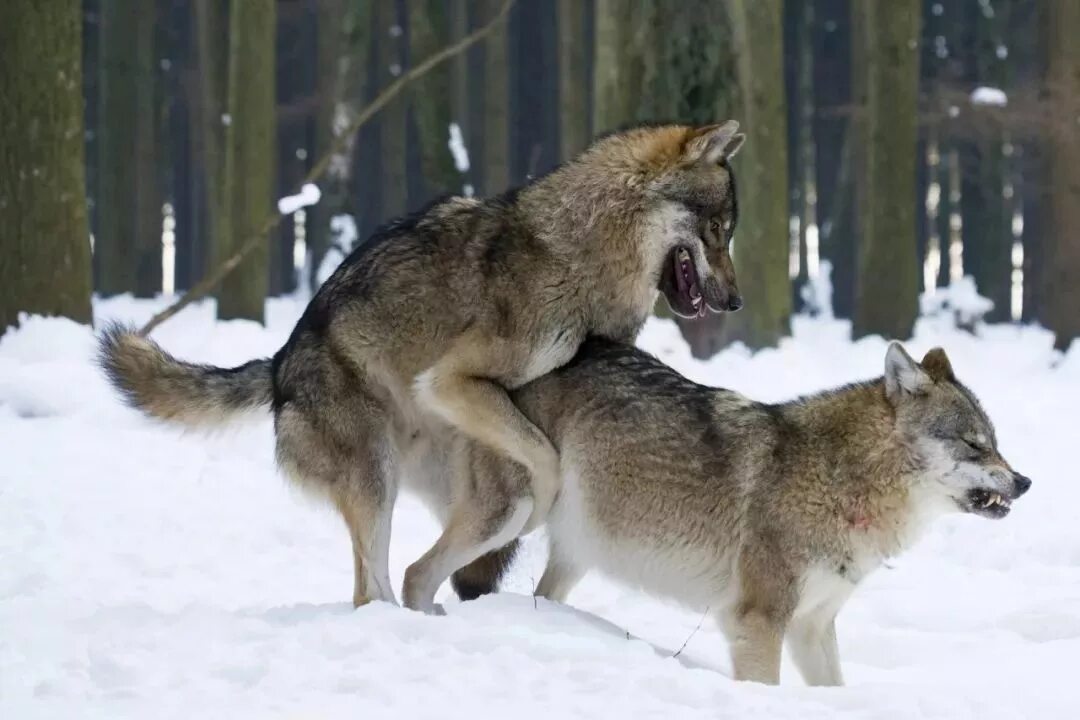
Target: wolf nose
(734, 303)
(1022, 483)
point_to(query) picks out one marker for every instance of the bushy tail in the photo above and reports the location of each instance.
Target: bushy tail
(185, 393)
(483, 575)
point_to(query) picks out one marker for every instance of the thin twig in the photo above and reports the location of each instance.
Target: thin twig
(319, 168)
(691, 635)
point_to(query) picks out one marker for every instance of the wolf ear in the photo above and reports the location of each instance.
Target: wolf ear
(903, 376)
(713, 143)
(937, 366)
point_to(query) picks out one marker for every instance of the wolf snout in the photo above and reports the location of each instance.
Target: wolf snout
(1021, 484)
(735, 302)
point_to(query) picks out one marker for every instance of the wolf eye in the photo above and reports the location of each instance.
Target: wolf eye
(715, 227)
(974, 446)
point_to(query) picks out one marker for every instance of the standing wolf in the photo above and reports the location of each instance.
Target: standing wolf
(428, 324)
(767, 516)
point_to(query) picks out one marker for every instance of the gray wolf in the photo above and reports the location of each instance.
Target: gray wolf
(419, 334)
(767, 516)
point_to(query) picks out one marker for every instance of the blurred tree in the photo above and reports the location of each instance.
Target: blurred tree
(1061, 264)
(617, 66)
(128, 252)
(211, 49)
(573, 89)
(761, 244)
(330, 54)
(429, 31)
(390, 40)
(985, 214)
(461, 106)
(689, 76)
(834, 146)
(495, 150)
(351, 84)
(44, 246)
(249, 153)
(888, 277)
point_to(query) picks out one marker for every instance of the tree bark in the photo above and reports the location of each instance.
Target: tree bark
(391, 60)
(128, 250)
(1061, 265)
(614, 81)
(44, 245)
(249, 152)
(496, 104)
(573, 95)
(329, 51)
(429, 31)
(211, 41)
(887, 285)
(761, 240)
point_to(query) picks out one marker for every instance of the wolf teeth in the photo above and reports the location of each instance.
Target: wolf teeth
(994, 499)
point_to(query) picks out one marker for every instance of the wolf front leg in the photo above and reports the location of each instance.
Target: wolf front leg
(812, 641)
(756, 623)
(756, 637)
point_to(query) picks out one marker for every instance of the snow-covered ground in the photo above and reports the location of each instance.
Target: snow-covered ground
(148, 573)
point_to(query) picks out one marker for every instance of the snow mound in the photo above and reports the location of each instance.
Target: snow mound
(960, 300)
(992, 96)
(308, 195)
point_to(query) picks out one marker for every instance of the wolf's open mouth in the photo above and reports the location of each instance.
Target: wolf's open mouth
(987, 503)
(681, 284)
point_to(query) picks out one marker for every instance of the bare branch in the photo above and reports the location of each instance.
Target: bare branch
(319, 168)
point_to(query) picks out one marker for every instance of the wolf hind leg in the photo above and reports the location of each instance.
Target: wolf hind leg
(354, 468)
(472, 531)
(560, 576)
(369, 521)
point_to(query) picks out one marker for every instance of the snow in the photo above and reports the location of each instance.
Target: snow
(989, 96)
(960, 300)
(309, 195)
(458, 149)
(343, 236)
(817, 293)
(148, 572)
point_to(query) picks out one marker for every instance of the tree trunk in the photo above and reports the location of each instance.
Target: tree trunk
(1061, 265)
(496, 104)
(128, 250)
(691, 72)
(249, 153)
(615, 81)
(44, 244)
(573, 90)
(148, 196)
(887, 285)
(211, 41)
(329, 47)
(986, 225)
(987, 221)
(761, 241)
(429, 31)
(391, 59)
(351, 84)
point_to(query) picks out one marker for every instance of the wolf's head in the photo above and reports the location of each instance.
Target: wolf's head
(951, 434)
(685, 174)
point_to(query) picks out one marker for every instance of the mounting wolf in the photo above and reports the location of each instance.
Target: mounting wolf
(426, 326)
(766, 516)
